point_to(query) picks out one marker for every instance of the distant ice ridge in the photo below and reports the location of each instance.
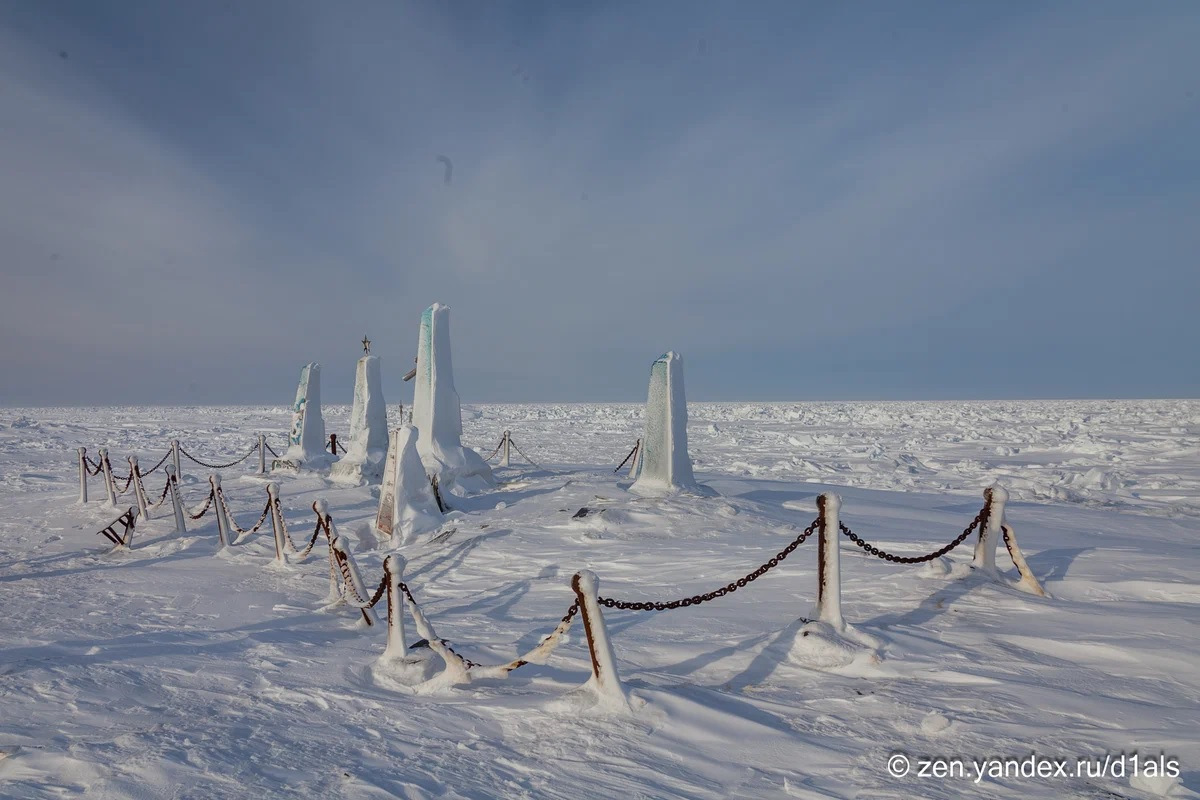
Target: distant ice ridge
(437, 413)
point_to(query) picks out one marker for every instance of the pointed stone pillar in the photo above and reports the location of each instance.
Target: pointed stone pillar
(663, 466)
(368, 445)
(437, 413)
(306, 440)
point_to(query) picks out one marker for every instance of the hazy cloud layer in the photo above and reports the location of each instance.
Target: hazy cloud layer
(806, 201)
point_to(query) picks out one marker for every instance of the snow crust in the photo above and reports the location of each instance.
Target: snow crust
(173, 670)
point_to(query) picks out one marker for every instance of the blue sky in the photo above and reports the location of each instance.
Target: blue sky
(806, 200)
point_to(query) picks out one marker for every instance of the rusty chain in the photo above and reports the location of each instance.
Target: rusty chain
(191, 457)
(161, 461)
(288, 536)
(497, 450)
(269, 448)
(625, 460)
(233, 522)
(729, 588)
(522, 452)
(207, 504)
(980, 519)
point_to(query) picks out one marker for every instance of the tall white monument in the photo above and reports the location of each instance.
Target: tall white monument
(437, 413)
(306, 440)
(368, 445)
(664, 466)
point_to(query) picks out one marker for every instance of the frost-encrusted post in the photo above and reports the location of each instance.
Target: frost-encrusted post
(276, 521)
(322, 510)
(262, 454)
(1028, 583)
(214, 481)
(110, 488)
(393, 568)
(175, 458)
(992, 529)
(354, 586)
(139, 491)
(176, 503)
(605, 680)
(506, 458)
(829, 576)
(83, 475)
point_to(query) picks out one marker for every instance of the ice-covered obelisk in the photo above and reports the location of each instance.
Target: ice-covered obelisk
(368, 426)
(306, 441)
(664, 466)
(437, 414)
(407, 506)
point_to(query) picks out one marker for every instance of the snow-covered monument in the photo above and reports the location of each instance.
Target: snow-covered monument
(664, 466)
(437, 413)
(368, 426)
(306, 440)
(407, 505)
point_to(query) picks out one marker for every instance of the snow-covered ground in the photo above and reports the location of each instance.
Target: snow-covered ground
(174, 670)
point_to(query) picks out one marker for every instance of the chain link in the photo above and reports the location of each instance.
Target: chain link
(233, 522)
(161, 461)
(270, 449)
(207, 503)
(980, 519)
(729, 588)
(218, 466)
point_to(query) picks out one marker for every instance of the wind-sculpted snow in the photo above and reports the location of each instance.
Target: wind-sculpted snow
(180, 670)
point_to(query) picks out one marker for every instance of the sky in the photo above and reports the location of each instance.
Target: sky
(808, 201)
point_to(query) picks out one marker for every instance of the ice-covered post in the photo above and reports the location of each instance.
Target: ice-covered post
(829, 585)
(262, 454)
(214, 481)
(83, 475)
(605, 679)
(992, 529)
(176, 502)
(276, 521)
(139, 491)
(393, 569)
(505, 460)
(637, 459)
(110, 488)
(175, 458)
(322, 511)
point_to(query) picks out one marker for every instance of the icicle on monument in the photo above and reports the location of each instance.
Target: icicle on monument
(437, 414)
(664, 466)
(368, 447)
(306, 441)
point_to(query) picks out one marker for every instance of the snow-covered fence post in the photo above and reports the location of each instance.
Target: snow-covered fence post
(139, 491)
(110, 488)
(176, 502)
(393, 568)
(321, 508)
(506, 445)
(83, 475)
(992, 529)
(276, 521)
(829, 575)
(175, 458)
(605, 679)
(262, 454)
(348, 567)
(214, 481)
(637, 459)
